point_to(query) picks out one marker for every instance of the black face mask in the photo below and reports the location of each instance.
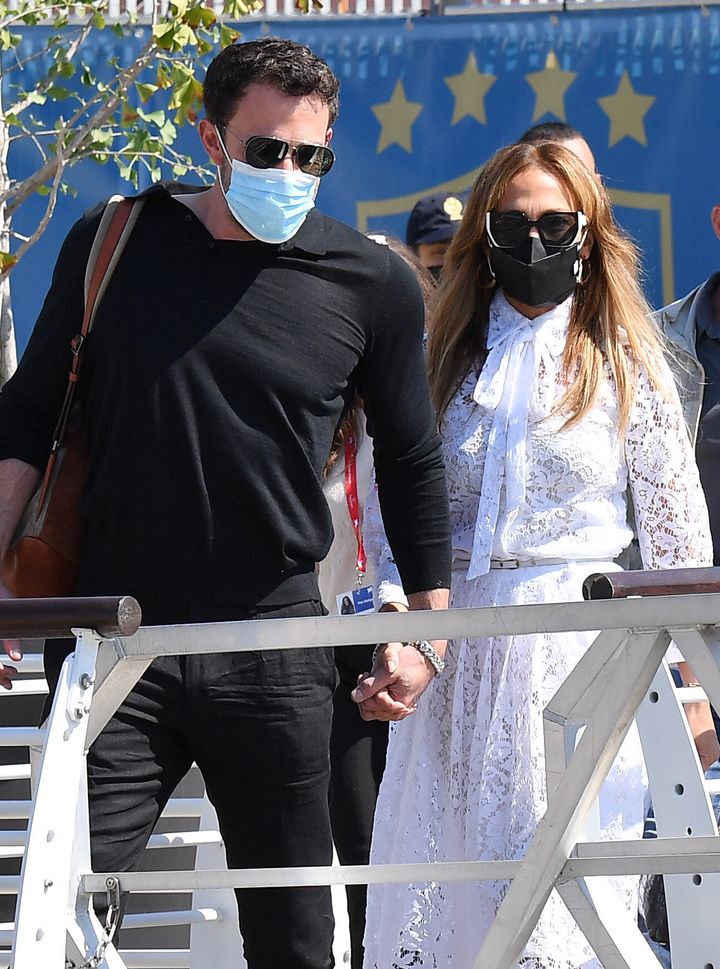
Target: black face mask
(534, 274)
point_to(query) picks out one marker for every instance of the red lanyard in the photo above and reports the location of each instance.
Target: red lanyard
(351, 492)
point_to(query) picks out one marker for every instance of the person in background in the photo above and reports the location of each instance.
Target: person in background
(692, 327)
(357, 746)
(552, 393)
(561, 134)
(431, 226)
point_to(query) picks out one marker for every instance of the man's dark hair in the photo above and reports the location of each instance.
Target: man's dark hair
(550, 131)
(275, 61)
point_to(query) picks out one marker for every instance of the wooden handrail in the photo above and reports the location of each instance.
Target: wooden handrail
(56, 618)
(651, 582)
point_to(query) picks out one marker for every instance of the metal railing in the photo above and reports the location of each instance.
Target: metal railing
(621, 676)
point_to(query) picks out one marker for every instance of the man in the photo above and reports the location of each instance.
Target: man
(238, 327)
(431, 226)
(563, 134)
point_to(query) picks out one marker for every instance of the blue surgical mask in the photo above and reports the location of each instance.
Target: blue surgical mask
(270, 203)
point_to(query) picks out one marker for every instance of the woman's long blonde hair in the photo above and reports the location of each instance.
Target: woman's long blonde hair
(609, 318)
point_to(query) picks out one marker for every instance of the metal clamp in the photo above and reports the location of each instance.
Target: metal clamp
(83, 673)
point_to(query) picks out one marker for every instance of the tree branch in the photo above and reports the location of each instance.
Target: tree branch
(16, 194)
(47, 215)
(47, 82)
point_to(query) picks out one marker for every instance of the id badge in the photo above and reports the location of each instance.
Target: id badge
(356, 601)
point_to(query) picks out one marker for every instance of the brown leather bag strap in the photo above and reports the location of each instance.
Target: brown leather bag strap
(113, 232)
(117, 221)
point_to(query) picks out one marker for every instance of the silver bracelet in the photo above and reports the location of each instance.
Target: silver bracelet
(427, 650)
(423, 647)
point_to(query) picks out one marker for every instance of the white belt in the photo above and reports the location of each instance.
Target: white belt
(527, 563)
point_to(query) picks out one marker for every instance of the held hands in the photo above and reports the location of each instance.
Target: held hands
(12, 648)
(400, 673)
(390, 691)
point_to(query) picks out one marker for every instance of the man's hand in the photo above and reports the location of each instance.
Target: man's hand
(399, 677)
(12, 648)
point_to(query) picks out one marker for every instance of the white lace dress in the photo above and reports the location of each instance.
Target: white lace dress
(465, 775)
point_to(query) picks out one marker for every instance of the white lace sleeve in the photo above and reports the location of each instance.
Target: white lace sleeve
(388, 587)
(672, 519)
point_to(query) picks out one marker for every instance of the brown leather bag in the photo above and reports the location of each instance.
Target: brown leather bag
(44, 555)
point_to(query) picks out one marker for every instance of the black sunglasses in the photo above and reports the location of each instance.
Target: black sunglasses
(506, 230)
(265, 152)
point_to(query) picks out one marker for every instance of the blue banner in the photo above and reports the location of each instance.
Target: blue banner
(424, 102)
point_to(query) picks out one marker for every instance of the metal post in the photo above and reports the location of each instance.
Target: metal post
(41, 918)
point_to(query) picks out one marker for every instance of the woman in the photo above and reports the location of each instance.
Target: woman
(551, 393)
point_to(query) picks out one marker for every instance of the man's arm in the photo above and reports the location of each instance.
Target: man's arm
(410, 477)
(409, 468)
(18, 482)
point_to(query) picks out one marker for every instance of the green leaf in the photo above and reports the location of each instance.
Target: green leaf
(101, 136)
(168, 133)
(34, 97)
(152, 117)
(57, 93)
(8, 41)
(178, 8)
(228, 35)
(43, 190)
(164, 34)
(7, 259)
(163, 78)
(201, 17)
(145, 91)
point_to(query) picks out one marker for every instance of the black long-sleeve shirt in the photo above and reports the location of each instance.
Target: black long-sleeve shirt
(213, 382)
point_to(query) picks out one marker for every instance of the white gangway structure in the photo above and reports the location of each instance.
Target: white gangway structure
(621, 677)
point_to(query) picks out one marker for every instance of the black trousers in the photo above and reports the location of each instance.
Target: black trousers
(357, 756)
(258, 726)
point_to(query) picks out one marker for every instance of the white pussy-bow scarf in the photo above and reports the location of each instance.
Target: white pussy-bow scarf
(508, 386)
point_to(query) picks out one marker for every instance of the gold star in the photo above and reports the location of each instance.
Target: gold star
(626, 110)
(550, 86)
(469, 90)
(396, 118)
